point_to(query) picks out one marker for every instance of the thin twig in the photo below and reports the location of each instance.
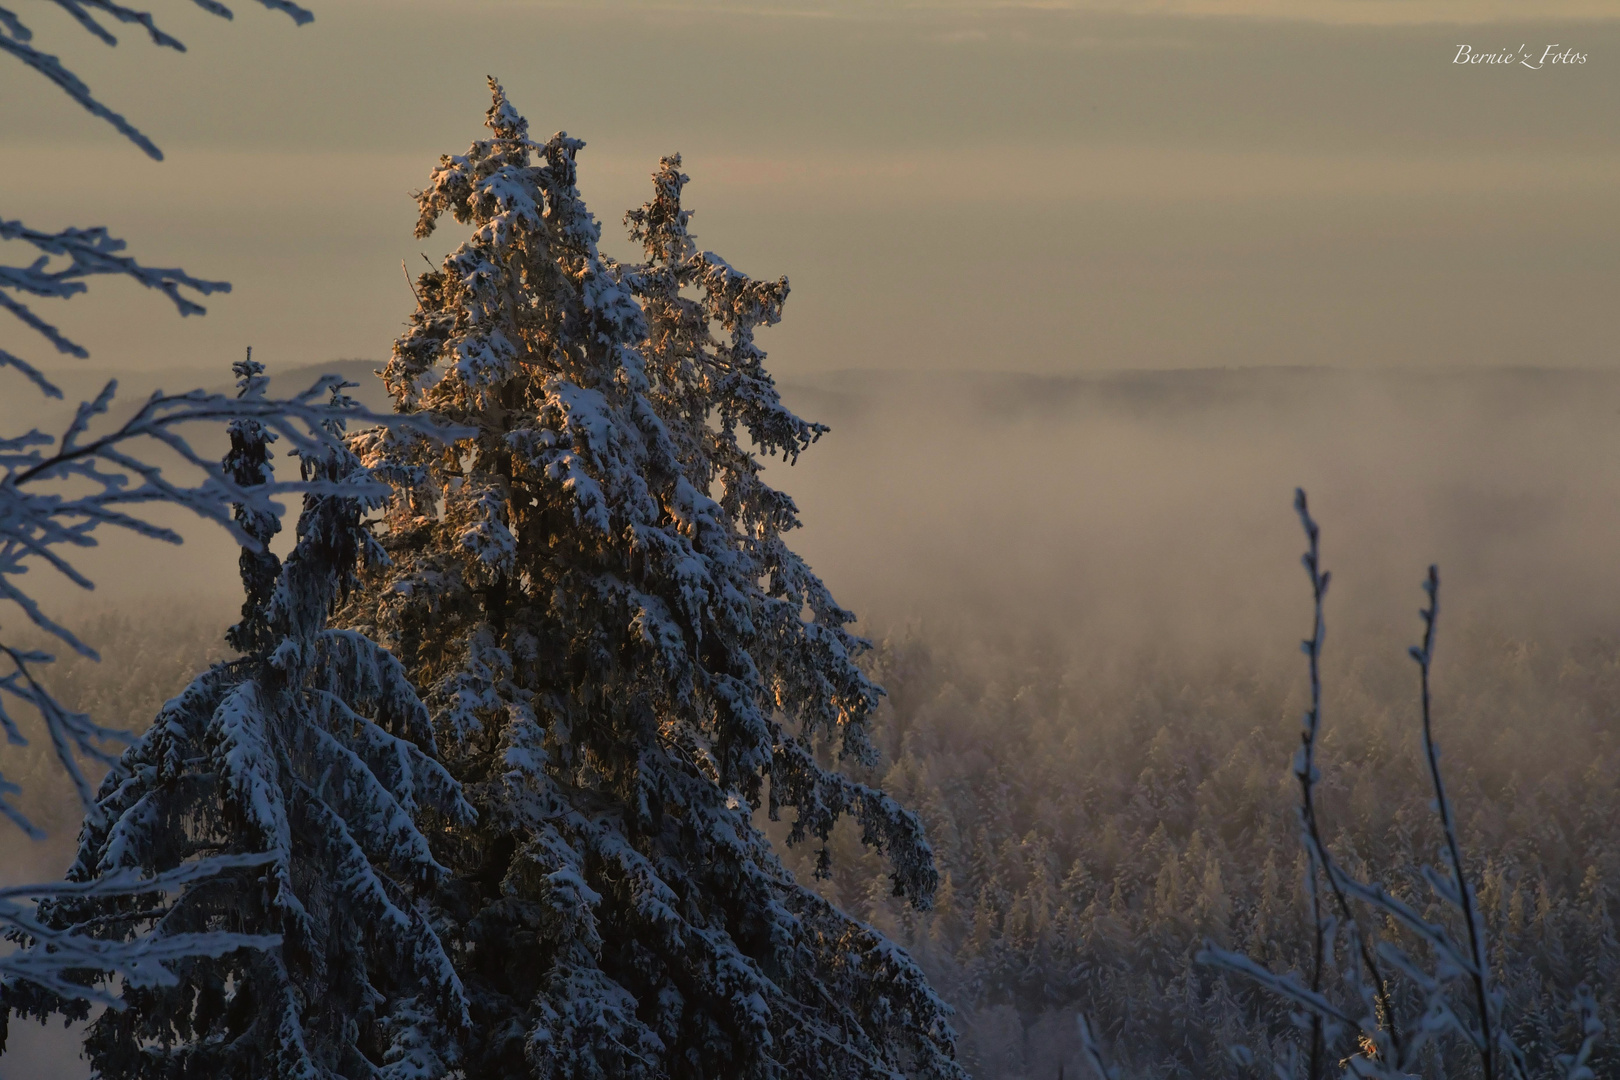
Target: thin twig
(1307, 775)
(1478, 973)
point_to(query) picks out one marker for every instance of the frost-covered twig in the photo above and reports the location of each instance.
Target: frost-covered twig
(16, 39)
(1322, 865)
(87, 253)
(1379, 1049)
(56, 492)
(1461, 892)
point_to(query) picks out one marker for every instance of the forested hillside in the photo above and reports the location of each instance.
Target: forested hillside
(1097, 810)
(1086, 608)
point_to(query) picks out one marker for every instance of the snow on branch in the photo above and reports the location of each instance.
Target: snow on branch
(88, 252)
(299, 808)
(56, 492)
(58, 952)
(16, 39)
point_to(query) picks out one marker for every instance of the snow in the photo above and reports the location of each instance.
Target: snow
(310, 763)
(625, 652)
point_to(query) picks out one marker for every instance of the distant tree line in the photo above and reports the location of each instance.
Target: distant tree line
(491, 781)
(1101, 812)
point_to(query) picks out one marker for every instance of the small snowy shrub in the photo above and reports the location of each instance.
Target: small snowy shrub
(1398, 985)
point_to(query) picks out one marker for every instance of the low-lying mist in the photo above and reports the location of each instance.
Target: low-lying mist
(1122, 518)
(1086, 599)
(1147, 507)
(1157, 507)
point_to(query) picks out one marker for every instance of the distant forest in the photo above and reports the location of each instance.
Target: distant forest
(1098, 810)
(1098, 814)
(542, 749)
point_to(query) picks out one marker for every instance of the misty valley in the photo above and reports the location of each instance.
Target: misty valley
(1137, 623)
(1087, 631)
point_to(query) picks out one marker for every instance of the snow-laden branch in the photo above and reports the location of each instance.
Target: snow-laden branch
(312, 753)
(56, 492)
(57, 952)
(79, 254)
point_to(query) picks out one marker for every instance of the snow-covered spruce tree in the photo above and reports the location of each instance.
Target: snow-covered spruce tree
(314, 751)
(623, 657)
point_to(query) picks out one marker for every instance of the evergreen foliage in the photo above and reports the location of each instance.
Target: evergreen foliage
(248, 464)
(313, 759)
(623, 657)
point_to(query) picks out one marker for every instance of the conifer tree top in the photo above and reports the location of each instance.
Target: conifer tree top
(623, 656)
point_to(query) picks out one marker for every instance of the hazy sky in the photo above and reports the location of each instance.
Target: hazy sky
(1052, 187)
(1042, 187)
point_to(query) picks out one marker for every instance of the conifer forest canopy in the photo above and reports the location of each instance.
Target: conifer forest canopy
(1138, 604)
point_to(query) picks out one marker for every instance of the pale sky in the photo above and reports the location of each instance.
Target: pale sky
(1063, 188)
(1050, 187)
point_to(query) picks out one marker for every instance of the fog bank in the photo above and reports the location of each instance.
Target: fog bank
(1130, 505)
